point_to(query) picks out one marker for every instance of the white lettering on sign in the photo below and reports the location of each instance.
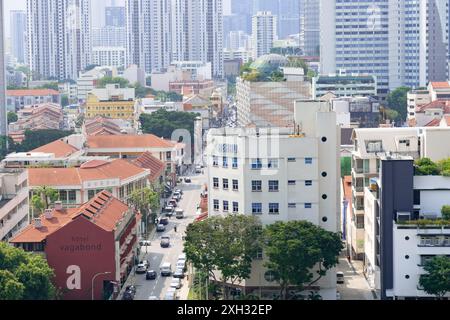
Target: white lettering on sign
(74, 280)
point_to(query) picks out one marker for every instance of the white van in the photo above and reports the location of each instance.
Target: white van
(179, 213)
(166, 269)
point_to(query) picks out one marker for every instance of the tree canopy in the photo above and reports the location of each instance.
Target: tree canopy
(12, 117)
(146, 200)
(295, 248)
(436, 280)
(227, 245)
(163, 123)
(38, 138)
(124, 83)
(397, 100)
(24, 276)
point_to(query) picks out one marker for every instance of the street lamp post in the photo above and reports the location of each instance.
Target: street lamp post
(93, 279)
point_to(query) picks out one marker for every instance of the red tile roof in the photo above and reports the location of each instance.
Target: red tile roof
(103, 210)
(31, 92)
(440, 85)
(94, 170)
(433, 123)
(58, 147)
(438, 104)
(101, 126)
(156, 166)
(127, 141)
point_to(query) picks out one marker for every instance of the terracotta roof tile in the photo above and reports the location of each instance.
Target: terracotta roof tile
(147, 161)
(60, 148)
(433, 123)
(440, 85)
(103, 210)
(127, 141)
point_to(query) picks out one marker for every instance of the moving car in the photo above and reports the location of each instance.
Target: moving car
(145, 243)
(181, 264)
(160, 228)
(164, 221)
(177, 195)
(340, 277)
(179, 213)
(173, 203)
(141, 268)
(168, 211)
(151, 275)
(165, 242)
(176, 283)
(187, 180)
(166, 269)
(179, 191)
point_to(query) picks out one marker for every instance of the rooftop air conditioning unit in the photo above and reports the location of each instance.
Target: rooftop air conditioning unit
(48, 214)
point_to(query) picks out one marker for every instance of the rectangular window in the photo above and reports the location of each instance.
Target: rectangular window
(215, 161)
(226, 206)
(256, 164)
(235, 163)
(292, 182)
(225, 184)
(257, 208)
(273, 186)
(257, 186)
(274, 208)
(308, 160)
(91, 194)
(272, 164)
(72, 196)
(292, 205)
(235, 185)
(216, 183)
(225, 162)
(308, 183)
(235, 207)
(292, 159)
(216, 205)
(259, 254)
(308, 205)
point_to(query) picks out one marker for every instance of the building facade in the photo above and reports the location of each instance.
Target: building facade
(345, 85)
(112, 102)
(109, 56)
(3, 108)
(18, 21)
(264, 33)
(59, 38)
(296, 180)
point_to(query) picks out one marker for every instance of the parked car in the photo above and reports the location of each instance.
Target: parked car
(160, 228)
(145, 243)
(164, 221)
(187, 180)
(182, 256)
(181, 264)
(171, 294)
(165, 242)
(179, 191)
(146, 263)
(179, 274)
(179, 213)
(141, 268)
(176, 283)
(173, 203)
(168, 211)
(340, 277)
(131, 289)
(130, 293)
(151, 275)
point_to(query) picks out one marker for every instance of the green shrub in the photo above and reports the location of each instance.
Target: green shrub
(446, 213)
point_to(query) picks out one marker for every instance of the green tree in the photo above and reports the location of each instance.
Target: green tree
(50, 85)
(65, 100)
(444, 167)
(445, 212)
(397, 100)
(5, 149)
(24, 275)
(141, 92)
(426, 167)
(124, 83)
(227, 245)
(436, 280)
(146, 201)
(391, 114)
(10, 287)
(294, 248)
(12, 117)
(48, 195)
(37, 204)
(38, 138)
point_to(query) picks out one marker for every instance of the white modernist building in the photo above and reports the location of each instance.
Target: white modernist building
(296, 180)
(109, 56)
(392, 42)
(59, 38)
(264, 33)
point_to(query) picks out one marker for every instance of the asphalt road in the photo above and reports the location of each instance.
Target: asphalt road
(157, 255)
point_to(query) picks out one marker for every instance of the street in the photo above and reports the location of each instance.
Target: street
(157, 255)
(355, 286)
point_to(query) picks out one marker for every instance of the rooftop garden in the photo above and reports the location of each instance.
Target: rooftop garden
(426, 167)
(444, 221)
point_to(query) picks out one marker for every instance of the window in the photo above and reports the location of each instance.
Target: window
(72, 196)
(226, 206)
(235, 163)
(406, 142)
(257, 208)
(292, 159)
(273, 186)
(225, 162)
(292, 182)
(274, 208)
(292, 205)
(257, 186)
(308, 160)
(235, 207)
(259, 254)
(215, 161)
(168, 156)
(235, 185)
(216, 183)
(272, 164)
(225, 184)
(308, 183)
(256, 164)
(216, 205)
(308, 205)
(91, 194)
